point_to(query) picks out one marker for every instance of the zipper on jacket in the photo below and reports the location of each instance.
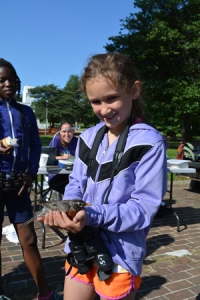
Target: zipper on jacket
(13, 134)
(105, 150)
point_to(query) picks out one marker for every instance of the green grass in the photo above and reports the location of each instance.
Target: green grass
(172, 149)
(172, 153)
(45, 139)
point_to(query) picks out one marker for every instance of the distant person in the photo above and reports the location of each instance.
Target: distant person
(19, 165)
(122, 183)
(65, 143)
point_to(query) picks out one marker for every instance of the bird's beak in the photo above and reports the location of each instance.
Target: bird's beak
(88, 204)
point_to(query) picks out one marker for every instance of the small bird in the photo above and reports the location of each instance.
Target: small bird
(71, 207)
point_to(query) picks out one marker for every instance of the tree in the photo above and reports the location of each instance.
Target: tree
(73, 86)
(83, 111)
(164, 43)
(63, 104)
(47, 95)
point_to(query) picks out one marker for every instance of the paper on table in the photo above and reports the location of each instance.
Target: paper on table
(177, 163)
(68, 161)
(181, 170)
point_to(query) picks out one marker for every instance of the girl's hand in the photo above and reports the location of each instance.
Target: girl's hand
(5, 151)
(61, 220)
(66, 156)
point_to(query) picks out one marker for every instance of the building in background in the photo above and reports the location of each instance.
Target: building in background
(27, 100)
(26, 97)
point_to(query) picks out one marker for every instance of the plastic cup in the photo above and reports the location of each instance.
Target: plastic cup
(43, 160)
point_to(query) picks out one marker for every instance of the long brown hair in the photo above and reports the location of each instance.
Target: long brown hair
(119, 69)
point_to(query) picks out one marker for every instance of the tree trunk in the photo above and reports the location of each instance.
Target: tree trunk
(187, 132)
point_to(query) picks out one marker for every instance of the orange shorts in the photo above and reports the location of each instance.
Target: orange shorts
(117, 286)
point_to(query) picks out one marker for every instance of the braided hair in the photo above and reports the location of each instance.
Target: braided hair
(5, 63)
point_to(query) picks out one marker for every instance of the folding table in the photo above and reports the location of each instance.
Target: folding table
(177, 170)
(42, 193)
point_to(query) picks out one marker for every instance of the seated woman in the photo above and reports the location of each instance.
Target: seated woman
(65, 143)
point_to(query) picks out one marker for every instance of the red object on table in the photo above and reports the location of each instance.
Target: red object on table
(180, 151)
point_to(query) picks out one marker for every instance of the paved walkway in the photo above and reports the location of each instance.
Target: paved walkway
(165, 276)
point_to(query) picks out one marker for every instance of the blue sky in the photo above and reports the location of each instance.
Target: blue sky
(49, 40)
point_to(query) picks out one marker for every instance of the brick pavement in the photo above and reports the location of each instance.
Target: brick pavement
(164, 276)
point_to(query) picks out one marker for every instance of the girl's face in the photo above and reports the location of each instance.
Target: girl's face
(111, 104)
(66, 133)
(7, 83)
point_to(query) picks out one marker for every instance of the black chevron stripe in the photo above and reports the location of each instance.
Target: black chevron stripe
(84, 152)
(132, 155)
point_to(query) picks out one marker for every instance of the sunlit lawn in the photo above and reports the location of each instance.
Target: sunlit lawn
(45, 139)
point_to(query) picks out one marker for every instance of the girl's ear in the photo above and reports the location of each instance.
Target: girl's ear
(136, 89)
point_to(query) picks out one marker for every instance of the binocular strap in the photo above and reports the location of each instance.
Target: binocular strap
(71, 261)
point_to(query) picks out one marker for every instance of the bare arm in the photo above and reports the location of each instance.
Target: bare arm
(65, 156)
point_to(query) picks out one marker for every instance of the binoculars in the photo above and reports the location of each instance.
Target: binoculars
(85, 248)
(10, 182)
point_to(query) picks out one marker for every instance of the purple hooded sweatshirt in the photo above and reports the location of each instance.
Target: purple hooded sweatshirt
(69, 149)
(136, 194)
(26, 157)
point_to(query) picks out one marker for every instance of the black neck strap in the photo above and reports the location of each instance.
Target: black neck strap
(119, 150)
(99, 137)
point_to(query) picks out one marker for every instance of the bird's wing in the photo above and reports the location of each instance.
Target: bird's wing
(51, 205)
(30, 220)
